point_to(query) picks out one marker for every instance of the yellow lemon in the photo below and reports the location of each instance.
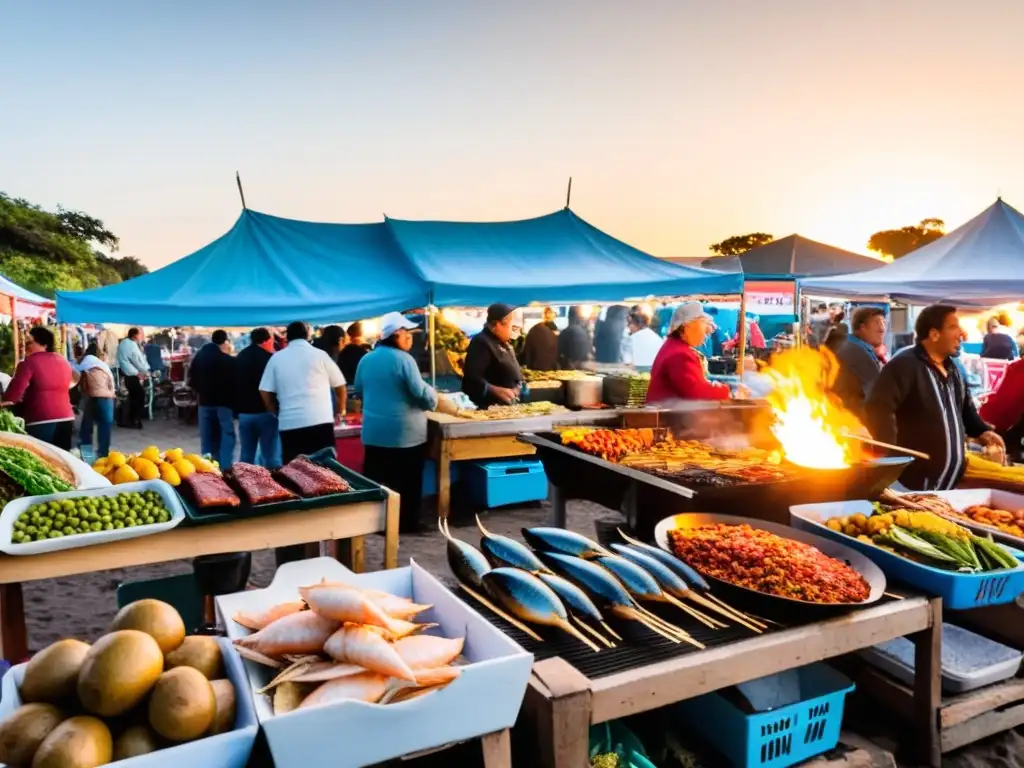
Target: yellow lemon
(183, 468)
(173, 455)
(147, 469)
(101, 466)
(116, 459)
(194, 459)
(169, 475)
(202, 465)
(152, 453)
(125, 474)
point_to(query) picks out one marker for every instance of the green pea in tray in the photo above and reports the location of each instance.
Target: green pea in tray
(363, 489)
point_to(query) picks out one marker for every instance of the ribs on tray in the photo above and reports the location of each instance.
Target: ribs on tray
(257, 485)
(209, 490)
(311, 479)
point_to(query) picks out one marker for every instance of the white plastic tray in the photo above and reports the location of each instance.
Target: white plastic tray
(225, 750)
(16, 507)
(485, 698)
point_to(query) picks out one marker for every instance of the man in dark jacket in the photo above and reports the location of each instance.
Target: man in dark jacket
(491, 374)
(920, 401)
(540, 351)
(859, 364)
(257, 427)
(211, 375)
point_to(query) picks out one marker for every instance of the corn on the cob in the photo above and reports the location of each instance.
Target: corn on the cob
(979, 468)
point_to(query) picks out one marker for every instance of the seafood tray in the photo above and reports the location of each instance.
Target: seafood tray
(226, 750)
(354, 733)
(581, 476)
(363, 489)
(776, 606)
(959, 591)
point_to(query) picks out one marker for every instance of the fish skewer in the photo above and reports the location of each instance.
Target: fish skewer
(532, 600)
(575, 600)
(671, 582)
(504, 551)
(593, 632)
(699, 585)
(545, 539)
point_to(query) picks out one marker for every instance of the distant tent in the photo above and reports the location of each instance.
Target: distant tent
(8, 288)
(981, 263)
(795, 257)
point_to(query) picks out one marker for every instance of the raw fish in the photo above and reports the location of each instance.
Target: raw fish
(255, 621)
(354, 644)
(367, 686)
(427, 651)
(303, 632)
(343, 603)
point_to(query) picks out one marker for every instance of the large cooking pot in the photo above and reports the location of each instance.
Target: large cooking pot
(585, 392)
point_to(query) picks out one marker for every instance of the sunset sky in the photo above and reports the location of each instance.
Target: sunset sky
(682, 122)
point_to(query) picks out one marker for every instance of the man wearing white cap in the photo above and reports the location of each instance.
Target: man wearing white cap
(680, 370)
(395, 401)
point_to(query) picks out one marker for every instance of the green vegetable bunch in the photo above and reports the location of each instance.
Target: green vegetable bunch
(28, 471)
(11, 423)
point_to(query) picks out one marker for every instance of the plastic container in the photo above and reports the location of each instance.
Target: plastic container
(485, 698)
(969, 661)
(778, 738)
(225, 750)
(430, 476)
(959, 591)
(15, 508)
(505, 481)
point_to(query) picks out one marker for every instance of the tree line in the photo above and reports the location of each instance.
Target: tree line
(46, 251)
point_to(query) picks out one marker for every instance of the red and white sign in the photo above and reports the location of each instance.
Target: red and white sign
(770, 298)
(992, 373)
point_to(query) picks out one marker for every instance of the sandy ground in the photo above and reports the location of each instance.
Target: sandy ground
(82, 606)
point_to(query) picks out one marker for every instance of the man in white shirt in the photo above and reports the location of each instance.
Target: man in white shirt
(301, 385)
(133, 366)
(643, 342)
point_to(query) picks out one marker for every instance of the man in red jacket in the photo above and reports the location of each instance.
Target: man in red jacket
(1004, 409)
(680, 370)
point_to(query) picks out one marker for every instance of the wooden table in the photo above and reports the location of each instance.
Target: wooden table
(563, 703)
(348, 522)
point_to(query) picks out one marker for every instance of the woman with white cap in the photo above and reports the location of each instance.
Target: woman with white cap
(680, 370)
(395, 402)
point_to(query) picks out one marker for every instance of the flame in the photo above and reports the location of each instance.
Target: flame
(808, 422)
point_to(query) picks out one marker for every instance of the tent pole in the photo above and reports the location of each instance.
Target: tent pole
(741, 347)
(433, 351)
(15, 333)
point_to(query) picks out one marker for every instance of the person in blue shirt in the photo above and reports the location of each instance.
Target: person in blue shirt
(395, 402)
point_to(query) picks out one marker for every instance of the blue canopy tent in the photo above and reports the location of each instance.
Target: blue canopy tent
(15, 291)
(980, 263)
(270, 270)
(265, 271)
(558, 258)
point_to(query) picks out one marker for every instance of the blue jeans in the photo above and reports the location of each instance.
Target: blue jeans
(217, 433)
(98, 411)
(259, 430)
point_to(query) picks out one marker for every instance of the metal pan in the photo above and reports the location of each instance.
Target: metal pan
(773, 605)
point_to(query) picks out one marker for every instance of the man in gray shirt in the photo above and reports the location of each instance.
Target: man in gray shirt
(859, 363)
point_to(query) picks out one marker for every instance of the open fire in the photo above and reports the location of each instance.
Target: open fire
(808, 421)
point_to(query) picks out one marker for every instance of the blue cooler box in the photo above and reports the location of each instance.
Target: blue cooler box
(430, 476)
(505, 481)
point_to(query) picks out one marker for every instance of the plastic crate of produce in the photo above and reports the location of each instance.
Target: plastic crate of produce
(505, 481)
(486, 697)
(959, 591)
(225, 750)
(362, 489)
(780, 737)
(969, 661)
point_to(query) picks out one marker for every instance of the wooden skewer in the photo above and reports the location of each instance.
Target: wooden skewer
(890, 446)
(707, 621)
(735, 611)
(611, 632)
(893, 595)
(513, 621)
(566, 626)
(667, 625)
(593, 632)
(728, 613)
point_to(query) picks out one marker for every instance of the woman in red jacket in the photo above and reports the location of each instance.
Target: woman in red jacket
(42, 384)
(1004, 409)
(680, 370)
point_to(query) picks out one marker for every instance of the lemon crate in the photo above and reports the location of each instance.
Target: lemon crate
(959, 591)
(780, 737)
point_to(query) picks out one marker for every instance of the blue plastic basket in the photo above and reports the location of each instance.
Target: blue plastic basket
(778, 738)
(959, 591)
(505, 481)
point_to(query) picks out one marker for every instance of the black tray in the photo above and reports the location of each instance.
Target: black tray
(363, 489)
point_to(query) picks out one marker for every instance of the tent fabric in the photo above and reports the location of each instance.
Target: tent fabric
(265, 271)
(796, 256)
(717, 263)
(979, 263)
(553, 258)
(268, 271)
(8, 288)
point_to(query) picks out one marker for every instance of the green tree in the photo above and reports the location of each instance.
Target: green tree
(734, 246)
(46, 251)
(899, 242)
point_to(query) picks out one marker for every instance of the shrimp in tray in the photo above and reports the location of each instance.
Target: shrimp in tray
(297, 633)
